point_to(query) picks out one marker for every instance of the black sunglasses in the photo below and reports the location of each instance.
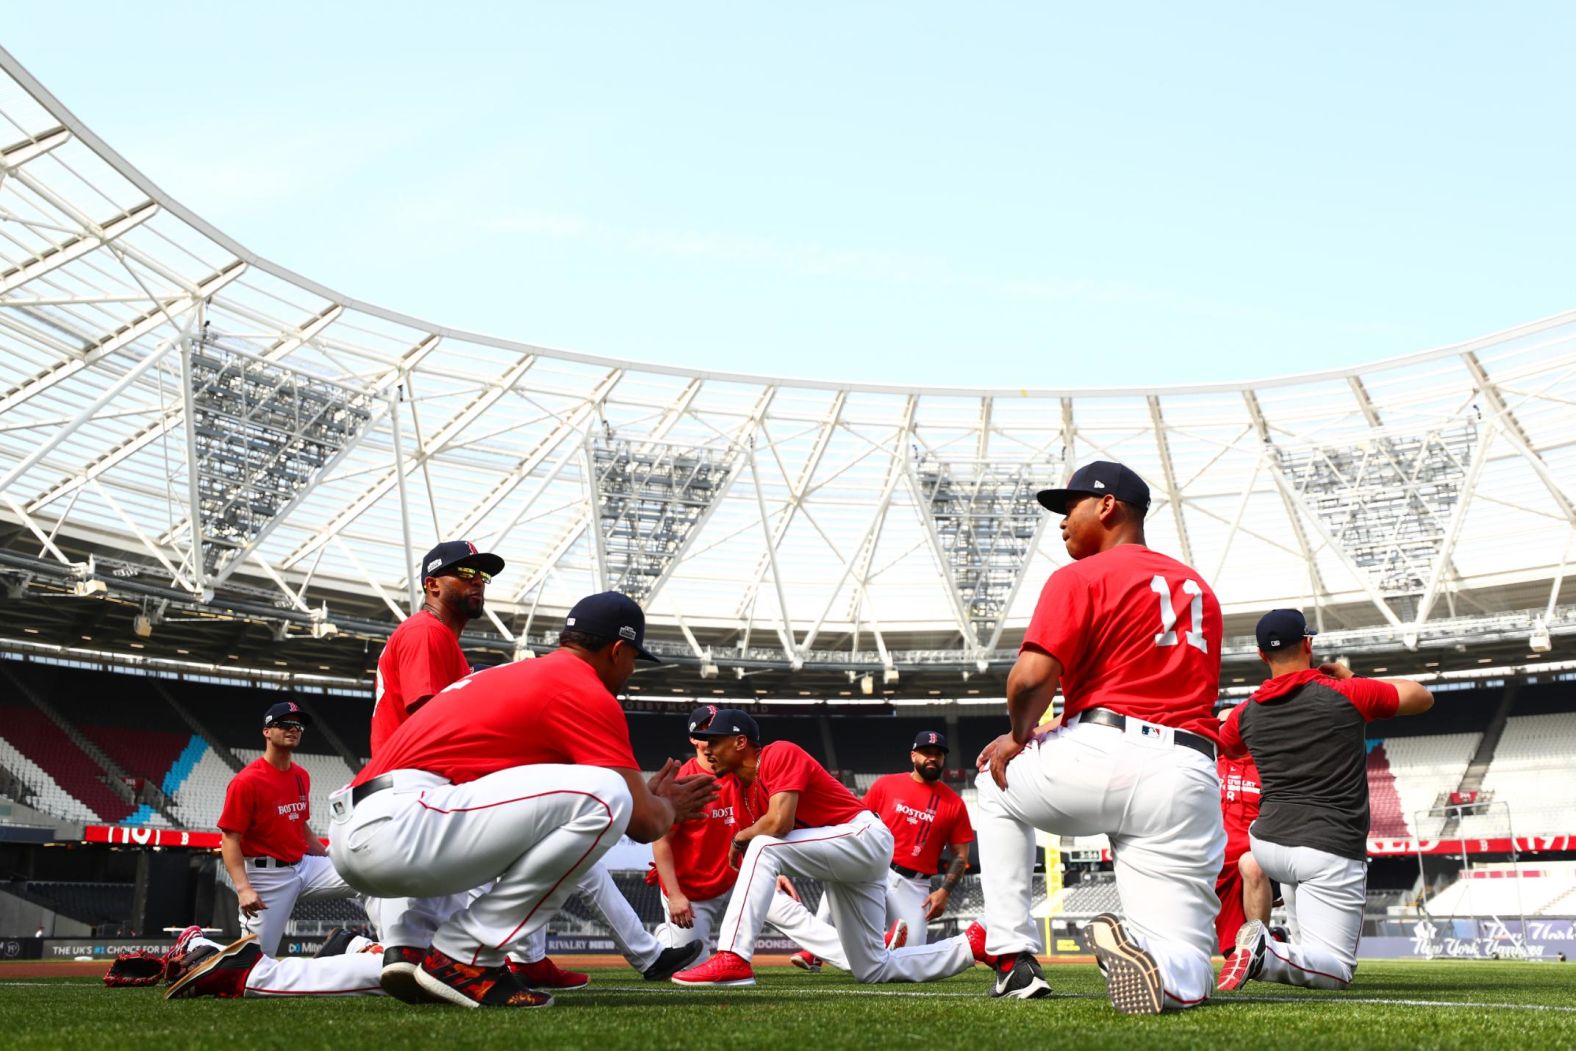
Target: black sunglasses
(289, 726)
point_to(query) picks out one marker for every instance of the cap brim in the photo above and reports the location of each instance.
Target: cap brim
(643, 654)
(1055, 500)
(709, 732)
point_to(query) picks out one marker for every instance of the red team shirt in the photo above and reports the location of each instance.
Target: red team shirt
(700, 845)
(422, 657)
(1239, 800)
(923, 819)
(1135, 631)
(550, 710)
(785, 767)
(268, 807)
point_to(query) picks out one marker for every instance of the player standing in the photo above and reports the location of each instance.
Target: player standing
(803, 820)
(1243, 889)
(1133, 638)
(267, 844)
(522, 774)
(693, 873)
(923, 816)
(1305, 728)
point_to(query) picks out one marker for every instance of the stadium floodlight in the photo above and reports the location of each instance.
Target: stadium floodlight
(867, 684)
(1541, 641)
(888, 676)
(708, 669)
(142, 625)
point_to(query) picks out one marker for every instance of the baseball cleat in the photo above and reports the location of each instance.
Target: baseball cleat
(976, 936)
(398, 977)
(725, 968)
(545, 974)
(447, 980)
(671, 961)
(184, 952)
(897, 935)
(1132, 978)
(220, 972)
(806, 961)
(1020, 978)
(1246, 959)
(336, 944)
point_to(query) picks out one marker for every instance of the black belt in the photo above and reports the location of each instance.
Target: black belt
(366, 788)
(271, 863)
(909, 873)
(1118, 721)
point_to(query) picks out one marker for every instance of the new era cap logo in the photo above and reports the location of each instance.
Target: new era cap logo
(1099, 484)
(434, 564)
(627, 632)
(569, 622)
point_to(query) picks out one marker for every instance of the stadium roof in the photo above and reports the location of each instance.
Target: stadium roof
(201, 433)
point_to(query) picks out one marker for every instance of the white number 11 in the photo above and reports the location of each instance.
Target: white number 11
(1168, 614)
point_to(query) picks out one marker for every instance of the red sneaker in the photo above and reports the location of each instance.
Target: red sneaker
(448, 980)
(806, 961)
(976, 936)
(897, 935)
(725, 968)
(221, 974)
(545, 974)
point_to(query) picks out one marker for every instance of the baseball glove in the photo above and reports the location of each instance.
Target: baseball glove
(135, 968)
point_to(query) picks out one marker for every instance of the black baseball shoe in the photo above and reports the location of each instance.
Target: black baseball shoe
(1132, 978)
(336, 944)
(1247, 957)
(448, 980)
(671, 961)
(398, 977)
(219, 972)
(1019, 977)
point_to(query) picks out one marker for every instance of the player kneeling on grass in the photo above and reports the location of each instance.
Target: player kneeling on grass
(1304, 728)
(521, 774)
(804, 821)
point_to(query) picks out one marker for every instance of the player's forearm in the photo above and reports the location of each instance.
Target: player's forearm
(1030, 687)
(234, 861)
(959, 865)
(662, 856)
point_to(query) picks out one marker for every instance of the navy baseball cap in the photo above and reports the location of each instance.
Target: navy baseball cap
(701, 717)
(612, 615)
(1280, 628)
(729, 722)
(930, 739)
(285, 712)
(453, 553)
(1100, 478)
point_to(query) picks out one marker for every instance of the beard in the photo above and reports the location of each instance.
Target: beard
(928, 772)
(474, 604)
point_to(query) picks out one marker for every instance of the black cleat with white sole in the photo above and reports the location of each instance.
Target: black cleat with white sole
(1132, 978)
(1020, 978)
(672, 961)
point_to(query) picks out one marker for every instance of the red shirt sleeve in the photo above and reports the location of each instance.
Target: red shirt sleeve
(962, 830)
(236, 816)
(599, 736)
(1231, 742)
(1061, 621)
(1375, 699)
(784, 767)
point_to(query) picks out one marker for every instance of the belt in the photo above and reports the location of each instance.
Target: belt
(1117, 721)
(909, 873)
(271, 863)
(367, 788)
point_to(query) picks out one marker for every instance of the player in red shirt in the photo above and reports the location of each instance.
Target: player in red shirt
(802, 820)
(522, 774)
(269, 849)
(690, 866)
(1305, 728)
(1243, 889)
(923, 816)
(1133, 639)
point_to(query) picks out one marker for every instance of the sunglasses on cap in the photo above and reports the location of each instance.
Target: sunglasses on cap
(470, 573)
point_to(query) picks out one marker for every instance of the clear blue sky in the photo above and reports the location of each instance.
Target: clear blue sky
(981, 194)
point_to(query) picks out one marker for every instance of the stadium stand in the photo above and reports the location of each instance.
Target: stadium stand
(77, 778)
(1530, 781)
(96, 904)
(1505, 890)
(1406, 776)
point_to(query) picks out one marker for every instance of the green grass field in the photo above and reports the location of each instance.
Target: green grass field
(1402, 1004)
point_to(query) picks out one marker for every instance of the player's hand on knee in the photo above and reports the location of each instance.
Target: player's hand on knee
(251, 904)
(936, 903)
(680, 911)
(785, 885)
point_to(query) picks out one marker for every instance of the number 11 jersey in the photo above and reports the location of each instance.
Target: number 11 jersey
(1135, 631)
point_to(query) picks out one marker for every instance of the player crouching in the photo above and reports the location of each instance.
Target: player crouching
(805, 822)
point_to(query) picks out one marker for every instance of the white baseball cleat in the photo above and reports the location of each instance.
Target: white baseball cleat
(1132, 978)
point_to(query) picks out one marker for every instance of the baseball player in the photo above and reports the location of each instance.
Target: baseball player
(423, 657)
(691, 869)
(1243, 889)
(1304, 728)
(269, 849)
(804, 821)
(522, 774)
(923, 815)
(1133, 639)
(242, 969)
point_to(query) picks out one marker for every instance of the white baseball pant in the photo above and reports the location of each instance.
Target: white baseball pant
(313, 878)
(1158, 802)
(1324, 894)
(352, 974)
(805, 929)
(532, 830)
(905, 900)
(851, 862)
(637, 945)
